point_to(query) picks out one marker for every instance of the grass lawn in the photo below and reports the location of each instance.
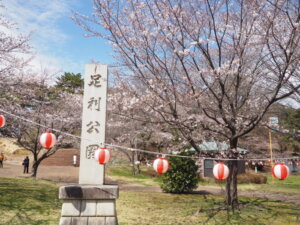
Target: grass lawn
(27, 201)
(136, 208)
(148, 177)
(290, 185)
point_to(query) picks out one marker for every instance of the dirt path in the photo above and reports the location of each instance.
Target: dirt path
(69, 175)
(60, 174)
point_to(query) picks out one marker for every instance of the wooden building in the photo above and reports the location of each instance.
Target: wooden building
(206, 165)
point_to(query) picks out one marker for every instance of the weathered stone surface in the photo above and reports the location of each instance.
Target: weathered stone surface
(89, 192)
(111, 221)
(70, 208)
(65, 221)
(96, 221)
(79, 221)
(106, 208)
(88, 208)
(95, 87)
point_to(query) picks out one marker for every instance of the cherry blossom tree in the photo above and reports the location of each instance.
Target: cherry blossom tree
(49, 109)
(28, 95)
(202, 67)
(14, 53)
(133, 130)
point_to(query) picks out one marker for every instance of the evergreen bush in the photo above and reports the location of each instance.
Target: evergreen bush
(181, 177)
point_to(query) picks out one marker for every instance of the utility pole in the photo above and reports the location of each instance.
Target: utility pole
(273, 122)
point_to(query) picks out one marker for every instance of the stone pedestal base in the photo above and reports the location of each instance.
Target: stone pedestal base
(89, 204)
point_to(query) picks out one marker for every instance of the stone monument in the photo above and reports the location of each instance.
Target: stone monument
(91, 202)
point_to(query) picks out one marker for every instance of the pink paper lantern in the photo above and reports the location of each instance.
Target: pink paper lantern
(280, 171)
(47, 140)
(2, 121)
(102, 155)
(161, 165)
(220, 171)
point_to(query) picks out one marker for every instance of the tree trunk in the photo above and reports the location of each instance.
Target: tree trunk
(234, 191)
(133, 165)
(231, 182)
(139, 159)
(138, 169)
(228, 185)
(35, 168)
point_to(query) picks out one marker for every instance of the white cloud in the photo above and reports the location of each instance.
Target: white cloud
(42, 18)
(39, 17)
(56, 64)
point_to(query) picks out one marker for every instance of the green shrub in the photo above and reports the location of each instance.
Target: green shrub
(181, 177)
(252, 178)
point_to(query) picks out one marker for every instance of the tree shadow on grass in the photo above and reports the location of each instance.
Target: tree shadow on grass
(27, 202)
(19, 218)
(199, 193)
(251, 211)
(26, 215)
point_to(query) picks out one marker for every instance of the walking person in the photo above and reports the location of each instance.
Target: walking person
(26, 164)
(1, 160)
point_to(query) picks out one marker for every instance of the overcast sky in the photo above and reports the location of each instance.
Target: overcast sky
(59, 44)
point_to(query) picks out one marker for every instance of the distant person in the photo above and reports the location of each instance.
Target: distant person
(26, 164)
(74, 160)
(148, 163)
(1, 160)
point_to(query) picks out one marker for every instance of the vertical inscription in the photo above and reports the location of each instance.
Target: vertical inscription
(93, 123)
(94, 103)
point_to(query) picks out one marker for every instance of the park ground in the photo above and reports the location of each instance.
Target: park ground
(29, 201)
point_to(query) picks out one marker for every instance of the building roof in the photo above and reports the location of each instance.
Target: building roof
(216, 146)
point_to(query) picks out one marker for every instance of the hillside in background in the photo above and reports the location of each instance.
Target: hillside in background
(10, 146)
(285, 138)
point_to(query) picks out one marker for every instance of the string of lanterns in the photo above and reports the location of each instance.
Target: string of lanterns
(47, 140)
(102, 156)
(261, 163)
(161, 165)
(2, 121)
(280, 171)
(144, 151)
(220, 171)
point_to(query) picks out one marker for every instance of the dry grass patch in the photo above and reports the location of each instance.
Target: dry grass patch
(141, 208)
(10, 146)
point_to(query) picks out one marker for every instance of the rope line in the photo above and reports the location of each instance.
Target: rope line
(141, 150)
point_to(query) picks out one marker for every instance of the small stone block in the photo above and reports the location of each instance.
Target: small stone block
(111, 221)
(96, 221)
(79, 221)
(106, 208)
(65, 221)
(88, 208)
(70, 208)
